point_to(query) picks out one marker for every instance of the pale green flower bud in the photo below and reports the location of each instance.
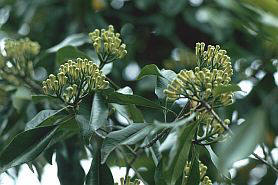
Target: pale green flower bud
(45, 90)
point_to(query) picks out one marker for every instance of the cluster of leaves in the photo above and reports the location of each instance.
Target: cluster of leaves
(163, 147)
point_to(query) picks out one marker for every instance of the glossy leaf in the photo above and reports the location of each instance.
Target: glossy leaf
(129, 135)
(26, 146)
(243, 142)
(130, 112)
(45, 118)
(99, 112)
(126, 99)
(150, 69)
(42, 97)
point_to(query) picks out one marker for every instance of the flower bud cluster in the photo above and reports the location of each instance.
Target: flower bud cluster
(75, 80)
(213, 58)
(21, 49)
(108, 44)
(17, 60)
(128, 181)
(201, 82)
(202, 168)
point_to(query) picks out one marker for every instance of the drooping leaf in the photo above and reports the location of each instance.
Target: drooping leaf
(129, 135)
(26, 146)
(154, 150)
(45, 118)
(221, 89)
(72, 40)
(215, 160)
(243, 142)
(126, 99)
(99, 112)
(178, 155)
(99, 173)
(70, 171)
(194, 172)
(150, 69)
(67, 53)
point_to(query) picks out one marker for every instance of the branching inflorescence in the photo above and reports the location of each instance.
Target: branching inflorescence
(108, 45)
(75, 80)
(213, 71)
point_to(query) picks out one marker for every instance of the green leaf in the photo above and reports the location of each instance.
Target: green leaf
(41, 97)
(126, 99)
(149, 70)
(215, 160)
(70, 171)
(163, 81)
(179, 153)
(175, 123)
(154, 150)
(99, 174)
(194, 173)
(243, 142)
(85, 128)
(4, 14)
(129, 135)
(20, 97)
(99, 112)
(221, 89)
(69, 52)
(26, 146)
(72, 40)
(46, 118)
(158, 176)
(130, 112)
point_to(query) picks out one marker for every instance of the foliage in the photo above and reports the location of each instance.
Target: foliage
(183, 112)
